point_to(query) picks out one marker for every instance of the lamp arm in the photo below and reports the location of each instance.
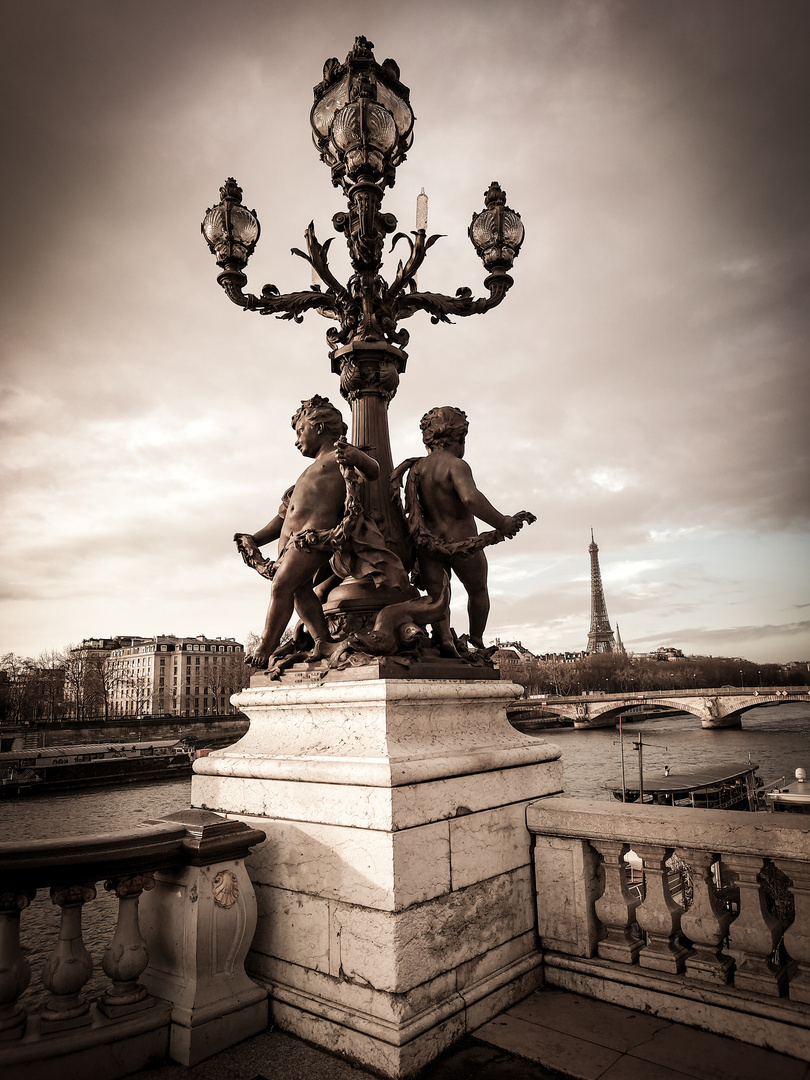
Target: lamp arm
(282, 305)
(441, 306)
(293, 305)
(407, 272)
(317, 259)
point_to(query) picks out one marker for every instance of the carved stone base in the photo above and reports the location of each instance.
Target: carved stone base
(621, 948)
(397, 1035)
(395, 887)
(708, 966)
(761, 977)
(48, 1024)
(12, 1026)
(662, 954)
(800, 985)
(115, 1011)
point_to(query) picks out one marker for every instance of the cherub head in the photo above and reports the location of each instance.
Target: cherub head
(443, 426)
(320, 410)
(315, 422)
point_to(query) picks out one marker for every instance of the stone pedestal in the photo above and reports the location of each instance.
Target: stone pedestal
(199, 921)
(394, 889)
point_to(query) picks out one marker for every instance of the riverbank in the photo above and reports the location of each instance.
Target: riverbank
(126, 729)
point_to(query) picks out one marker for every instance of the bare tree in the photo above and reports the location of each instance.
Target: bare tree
(50, 680)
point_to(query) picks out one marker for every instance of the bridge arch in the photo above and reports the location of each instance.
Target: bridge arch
(720, 707)
(695, 707)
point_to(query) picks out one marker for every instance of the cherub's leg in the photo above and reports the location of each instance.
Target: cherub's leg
(322, 584)
(432, 573)
(472, 573)
(295, 570)
(275, 623)
(310, 611)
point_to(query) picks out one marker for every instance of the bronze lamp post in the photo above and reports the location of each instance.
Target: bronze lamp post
(362, 126)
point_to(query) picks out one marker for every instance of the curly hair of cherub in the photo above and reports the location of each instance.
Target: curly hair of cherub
(442, 425)
(320, 410)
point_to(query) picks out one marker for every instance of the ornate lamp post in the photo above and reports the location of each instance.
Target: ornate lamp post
(362, 126)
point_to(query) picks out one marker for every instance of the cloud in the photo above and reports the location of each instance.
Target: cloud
(646, 376)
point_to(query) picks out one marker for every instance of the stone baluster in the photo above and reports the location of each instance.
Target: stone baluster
(616, 907)
(705, 923)
(797, 935)
(659, 915)
(70, 965)
(15, 971)
(756, 930)
(126, 957)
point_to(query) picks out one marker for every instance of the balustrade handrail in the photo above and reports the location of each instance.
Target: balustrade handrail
(739, 832)
(190, 837)
(711, 925)
(188, 871)
(71, 859)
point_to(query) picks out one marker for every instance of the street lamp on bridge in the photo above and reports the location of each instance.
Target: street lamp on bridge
(362, 127)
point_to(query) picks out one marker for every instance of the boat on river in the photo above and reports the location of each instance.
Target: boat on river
(719, 787)
(791, 799)
(60, 768)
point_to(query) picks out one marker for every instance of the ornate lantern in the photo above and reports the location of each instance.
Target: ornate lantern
(497, 231)
(231, 230)
(362, 122)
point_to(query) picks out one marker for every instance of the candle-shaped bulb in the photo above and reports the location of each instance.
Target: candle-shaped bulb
(421, 210)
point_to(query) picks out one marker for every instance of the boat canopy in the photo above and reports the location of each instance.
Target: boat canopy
(40, 752)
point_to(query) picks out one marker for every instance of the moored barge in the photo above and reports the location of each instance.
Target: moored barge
(720, 787)
(58, 768)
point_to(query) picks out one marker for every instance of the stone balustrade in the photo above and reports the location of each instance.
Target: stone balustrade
(717, 934)
(174, 965)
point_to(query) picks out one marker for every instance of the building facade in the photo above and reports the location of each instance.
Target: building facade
(172, 676)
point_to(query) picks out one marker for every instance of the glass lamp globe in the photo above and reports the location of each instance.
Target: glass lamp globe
(497, 231)
(230, 229)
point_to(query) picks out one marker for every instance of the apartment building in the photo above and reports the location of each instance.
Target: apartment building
(174, 676)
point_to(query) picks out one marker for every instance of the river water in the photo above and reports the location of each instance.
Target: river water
(777, 738)
(774, 737)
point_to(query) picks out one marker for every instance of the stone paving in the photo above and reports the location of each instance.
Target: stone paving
(550, 1035)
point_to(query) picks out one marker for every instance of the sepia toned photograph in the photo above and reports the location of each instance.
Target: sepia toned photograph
(405, 660)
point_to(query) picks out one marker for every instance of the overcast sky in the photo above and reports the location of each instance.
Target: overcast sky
(646, 377)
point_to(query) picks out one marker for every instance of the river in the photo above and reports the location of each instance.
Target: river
(777, 738)
(774, 737)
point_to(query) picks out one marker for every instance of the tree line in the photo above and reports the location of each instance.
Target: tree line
(614, 673)
(76, 684)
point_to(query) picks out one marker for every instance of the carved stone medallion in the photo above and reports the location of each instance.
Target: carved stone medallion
(225, 888)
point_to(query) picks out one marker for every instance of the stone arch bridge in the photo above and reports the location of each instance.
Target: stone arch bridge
(715, 708)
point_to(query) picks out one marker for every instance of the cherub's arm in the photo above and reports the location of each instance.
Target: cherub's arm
(354, 457)
(270, 532)
(475, 501)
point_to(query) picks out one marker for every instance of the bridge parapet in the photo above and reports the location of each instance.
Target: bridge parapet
(716, 707)
(175, 970)
(654, 938)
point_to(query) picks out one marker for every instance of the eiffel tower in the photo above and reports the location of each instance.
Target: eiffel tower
(600, 636)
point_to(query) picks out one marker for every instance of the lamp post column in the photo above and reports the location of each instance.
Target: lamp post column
(369, 377)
